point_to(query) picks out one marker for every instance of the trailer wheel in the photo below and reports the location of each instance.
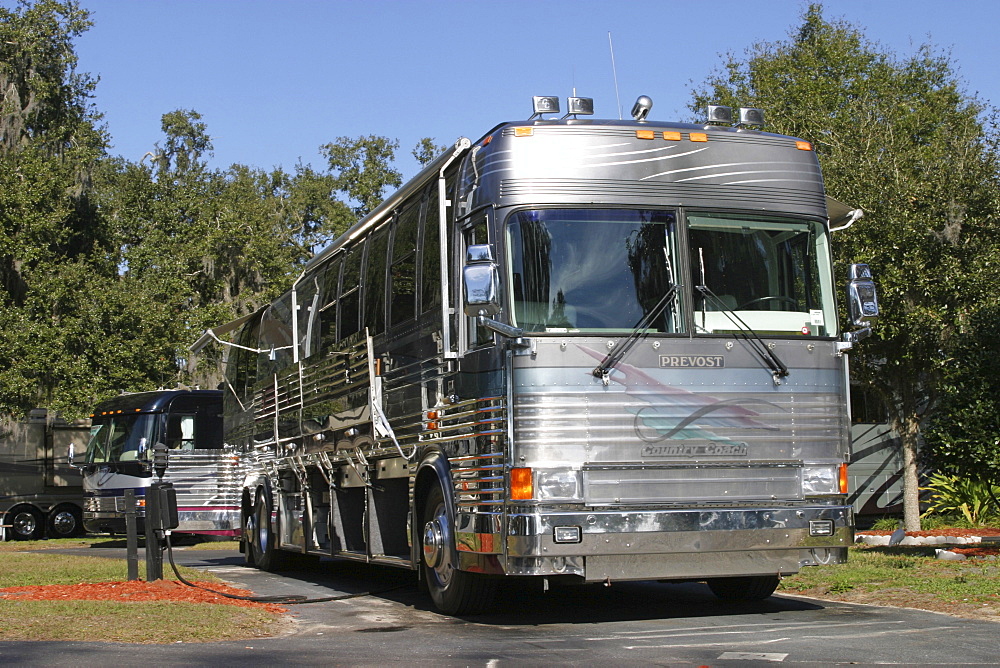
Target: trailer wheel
(65, 522)
(753, 588)
(263, 549)
(26, 523)
(453, 591)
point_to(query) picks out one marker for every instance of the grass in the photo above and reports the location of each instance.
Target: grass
(142, 622)
(58, 543)
(130, 622)
(908, 576)
(22, 569)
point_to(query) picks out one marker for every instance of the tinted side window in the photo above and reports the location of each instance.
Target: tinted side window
(430, 282)
(276, 336)
(327, 324)
(350, 294)
(374, 284)
(309, 298)
(404, 265)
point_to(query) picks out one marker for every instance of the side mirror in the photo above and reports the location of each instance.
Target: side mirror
(481, 282)
(862, 301)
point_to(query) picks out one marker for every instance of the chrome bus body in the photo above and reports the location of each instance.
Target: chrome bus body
(206, 477)
(704, 452)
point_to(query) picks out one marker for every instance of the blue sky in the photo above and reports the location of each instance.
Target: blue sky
(274, 79)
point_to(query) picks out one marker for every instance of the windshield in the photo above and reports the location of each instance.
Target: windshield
(592, 269)
(121, 438)
(773, 273)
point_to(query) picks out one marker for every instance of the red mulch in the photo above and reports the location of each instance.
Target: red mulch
(983, 531)
(137, 591)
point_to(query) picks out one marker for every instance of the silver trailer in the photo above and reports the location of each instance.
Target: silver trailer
(580, 350)
(40, 495)
(119, 457)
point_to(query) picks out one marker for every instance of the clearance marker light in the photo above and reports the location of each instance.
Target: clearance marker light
(698, 136)
(672, 136)
(524, 132)
(843, 478)
(520, 484)
(645, 134)
(432, 417)
(803, 146)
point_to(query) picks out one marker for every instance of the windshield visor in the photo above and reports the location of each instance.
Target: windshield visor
(772, 274)
(576, 270)
(123, 438)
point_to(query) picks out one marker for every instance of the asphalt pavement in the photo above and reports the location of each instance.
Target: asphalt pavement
(647, 623)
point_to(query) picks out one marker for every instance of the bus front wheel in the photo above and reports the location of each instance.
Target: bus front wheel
(453, 591)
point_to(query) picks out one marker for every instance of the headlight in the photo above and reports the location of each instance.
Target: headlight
(820, 480)
(557, 485)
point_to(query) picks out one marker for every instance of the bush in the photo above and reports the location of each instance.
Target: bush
(952, 495)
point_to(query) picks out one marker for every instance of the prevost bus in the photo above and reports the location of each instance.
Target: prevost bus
(575, 349)
(119, 456)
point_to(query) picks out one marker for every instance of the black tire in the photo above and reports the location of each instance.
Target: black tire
(65, 521)
(26, 523)
(248, 524)
(752, 588)
(263, 548)
(453, 591)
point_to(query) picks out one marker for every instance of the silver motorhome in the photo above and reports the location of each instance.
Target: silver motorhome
(575, 349)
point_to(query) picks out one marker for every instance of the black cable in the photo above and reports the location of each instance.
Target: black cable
(284, 600)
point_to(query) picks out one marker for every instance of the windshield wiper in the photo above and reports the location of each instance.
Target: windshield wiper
(777, 367)
(640, 330)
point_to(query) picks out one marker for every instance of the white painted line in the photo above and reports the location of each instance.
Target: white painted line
(752, 656)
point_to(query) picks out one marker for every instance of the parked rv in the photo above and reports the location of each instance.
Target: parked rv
(40, 494)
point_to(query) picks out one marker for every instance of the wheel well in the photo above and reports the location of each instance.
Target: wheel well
(433, 471)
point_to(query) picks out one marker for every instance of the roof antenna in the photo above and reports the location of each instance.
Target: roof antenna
(614, 71)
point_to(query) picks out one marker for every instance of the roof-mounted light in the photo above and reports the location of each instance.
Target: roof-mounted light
(544, 104)
(751, 118)
(641, 108)
(719, 115)
(583, 106)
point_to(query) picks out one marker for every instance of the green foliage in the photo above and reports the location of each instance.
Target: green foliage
(963, 435)
(109, 269)
(426, 150)
(952, 494)
(362, 169)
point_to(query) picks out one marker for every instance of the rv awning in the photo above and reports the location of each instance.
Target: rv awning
(841, 216)
(213, 333)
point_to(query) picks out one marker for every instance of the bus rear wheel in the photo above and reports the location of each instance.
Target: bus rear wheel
(454, 592)
(65, 522)
(262, 550)
(753, 588)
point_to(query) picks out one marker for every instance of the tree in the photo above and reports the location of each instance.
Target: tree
(898, 137)
(963, 435)
(426, 150)
(362, 169)
(56, 258)
(202, 246)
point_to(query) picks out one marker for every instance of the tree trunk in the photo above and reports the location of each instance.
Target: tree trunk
(909, 433)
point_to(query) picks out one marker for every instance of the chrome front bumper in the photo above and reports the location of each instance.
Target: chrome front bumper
(669, 544)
